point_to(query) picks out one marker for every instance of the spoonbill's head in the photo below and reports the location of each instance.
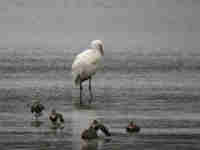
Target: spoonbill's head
(98, 44)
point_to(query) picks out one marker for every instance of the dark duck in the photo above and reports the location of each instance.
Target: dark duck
(132, 127)
(91, 132)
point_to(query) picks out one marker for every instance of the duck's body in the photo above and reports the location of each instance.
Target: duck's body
(91, 132)
(37, 108)
(56, 119)
(132, 129)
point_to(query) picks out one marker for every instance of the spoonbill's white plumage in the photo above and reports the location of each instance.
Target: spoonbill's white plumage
(86, 64)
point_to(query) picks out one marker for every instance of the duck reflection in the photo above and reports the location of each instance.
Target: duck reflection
(89, 145)
(93, 144)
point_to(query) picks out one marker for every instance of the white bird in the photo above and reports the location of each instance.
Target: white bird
(86, 64)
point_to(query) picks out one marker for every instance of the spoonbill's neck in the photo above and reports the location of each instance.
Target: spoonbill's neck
(100, 51)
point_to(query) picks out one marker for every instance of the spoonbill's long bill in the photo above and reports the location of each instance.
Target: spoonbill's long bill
(86, 64)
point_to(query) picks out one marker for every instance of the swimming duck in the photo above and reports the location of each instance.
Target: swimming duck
(132, 127)
(91, 132)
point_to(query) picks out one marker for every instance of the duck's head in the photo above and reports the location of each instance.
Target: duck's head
(53, 111)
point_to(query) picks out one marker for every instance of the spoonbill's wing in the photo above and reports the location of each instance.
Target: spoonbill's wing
(85, 64)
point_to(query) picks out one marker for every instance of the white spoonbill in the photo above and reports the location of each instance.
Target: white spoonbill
(86, 64)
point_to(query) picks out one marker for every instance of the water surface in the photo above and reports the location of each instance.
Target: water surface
(159, 91)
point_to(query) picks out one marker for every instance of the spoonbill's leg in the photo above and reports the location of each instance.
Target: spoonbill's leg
(90, 89)
(81, 88)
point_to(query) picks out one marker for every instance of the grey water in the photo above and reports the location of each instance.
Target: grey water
(159, 90)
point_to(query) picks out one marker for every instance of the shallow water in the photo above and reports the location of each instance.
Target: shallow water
(160, 92)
